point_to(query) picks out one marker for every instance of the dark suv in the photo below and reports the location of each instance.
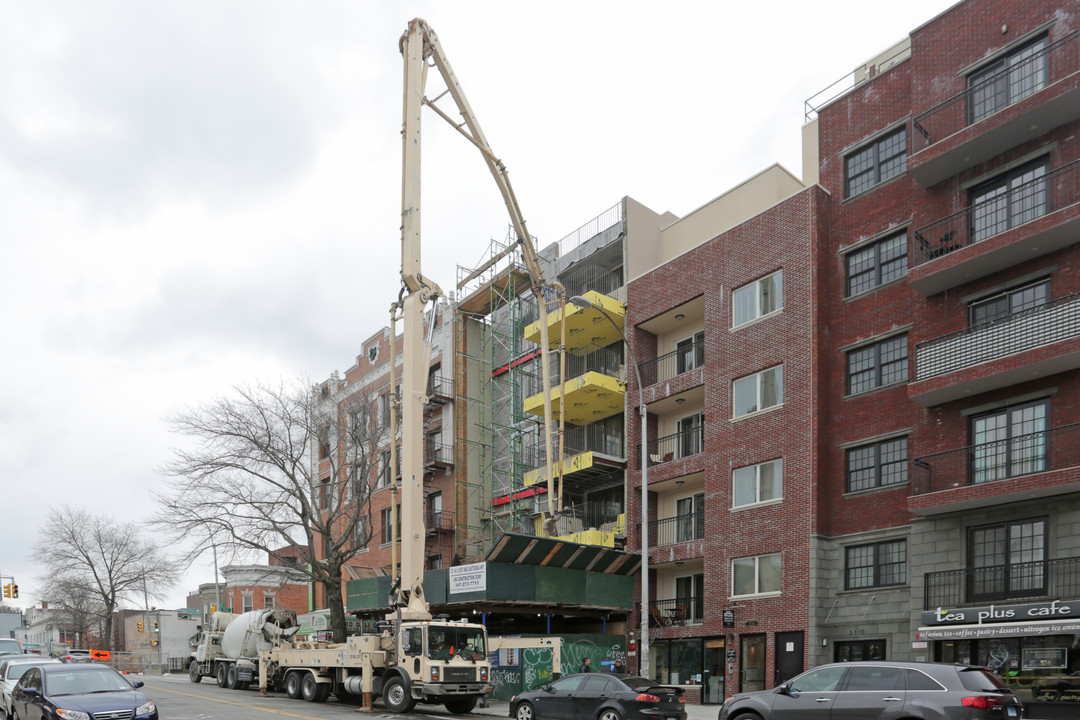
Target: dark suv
(880, 690)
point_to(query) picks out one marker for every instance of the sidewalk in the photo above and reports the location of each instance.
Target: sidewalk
(501, 708)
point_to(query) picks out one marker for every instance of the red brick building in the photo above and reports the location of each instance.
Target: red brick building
(862, 387)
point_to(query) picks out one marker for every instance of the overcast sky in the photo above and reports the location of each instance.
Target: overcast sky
(201, 194)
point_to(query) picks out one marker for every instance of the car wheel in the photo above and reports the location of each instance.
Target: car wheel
(609, 714)
(221, 670)
(461, 706)
(230, 677)
(193, 672)
(396, 698)
(525, 712)
(292, 684)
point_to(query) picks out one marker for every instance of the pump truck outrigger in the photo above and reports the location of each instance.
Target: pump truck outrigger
(414, 658)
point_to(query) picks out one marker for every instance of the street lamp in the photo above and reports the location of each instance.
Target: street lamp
(643, 666)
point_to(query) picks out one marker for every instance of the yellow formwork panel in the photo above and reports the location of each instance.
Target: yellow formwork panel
(585, 327)
(589, 398)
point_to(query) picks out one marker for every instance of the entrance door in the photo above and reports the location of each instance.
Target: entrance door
(752, 677)
(789, 655)
(712, 679)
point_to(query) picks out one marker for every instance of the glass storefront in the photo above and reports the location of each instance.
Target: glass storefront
(690, 661)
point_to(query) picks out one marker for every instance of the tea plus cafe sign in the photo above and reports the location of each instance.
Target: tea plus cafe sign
(1011, 613)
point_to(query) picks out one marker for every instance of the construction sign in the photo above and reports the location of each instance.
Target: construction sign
(100, 654)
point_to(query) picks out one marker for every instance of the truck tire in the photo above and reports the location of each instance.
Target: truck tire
(314, 691)
(194, 675)
(293, 681)
(396, 698)
(462, 705)
(322, 693)
(230, 677)
(222, 669)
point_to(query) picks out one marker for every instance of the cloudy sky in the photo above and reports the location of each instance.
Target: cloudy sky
(201, 194)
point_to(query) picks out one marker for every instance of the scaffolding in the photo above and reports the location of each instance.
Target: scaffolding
(492, 359)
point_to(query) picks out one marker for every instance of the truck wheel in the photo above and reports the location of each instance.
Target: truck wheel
(221, 674)
(311, 689)
(292, 684)
(322, 692)
(193, 672)
(230, 677)
(396, 698)
(461, 706)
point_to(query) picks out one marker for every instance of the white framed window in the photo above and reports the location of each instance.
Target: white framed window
(268, 600)
(759, 391)
(757, 299)
(248, 601)
(758, 483)
(756, 575)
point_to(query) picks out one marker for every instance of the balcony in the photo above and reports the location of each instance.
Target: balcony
(1046, 340)
(438, 455)
(1018, 581)
(1025, 100)
(439, 522)
(673, 364)
(588, 523)
(587, 451)
(593, 390)
(677, 612)
(1024, 222)
(440, 390)
(1024, 467)
(678, 529)
(584, 326)
(683, 444)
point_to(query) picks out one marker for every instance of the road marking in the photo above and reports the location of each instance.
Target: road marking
(237, 704)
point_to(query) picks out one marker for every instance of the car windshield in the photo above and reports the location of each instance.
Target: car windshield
(87, 681)
(10, 647)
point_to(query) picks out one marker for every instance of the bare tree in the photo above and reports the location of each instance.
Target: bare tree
(94, 564)
(279, 466)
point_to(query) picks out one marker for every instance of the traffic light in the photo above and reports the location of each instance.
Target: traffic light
(7, 590)
(140, 627)
(14, 590)
(156, 626)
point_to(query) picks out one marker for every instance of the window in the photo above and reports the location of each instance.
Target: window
(384, 408)
(387, 525)
(326, 494)
(356, 484)
(690, 353)
(690, 597)
(248, 601)
(759, 391)
(435, 511)
(758, 483)
(691, 433)
(1009, 442)
(1007, 80)
(877, 464)
(876, 162)
(877, 264)
(268, 600)
(690, 512)
(360, 536)
(859, 650)
(875, 678)
(826, 679)
(1006, 560)
(755, 575)
(1009, 200)
(757, 299)
(1010, 302)
(877, 565)
(384, 468)
(876, 365)
(324, 442)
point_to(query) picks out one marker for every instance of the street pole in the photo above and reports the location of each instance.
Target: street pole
(643, 644)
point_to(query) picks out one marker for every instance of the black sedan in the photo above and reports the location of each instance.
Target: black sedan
(600, 696)
(63, 692)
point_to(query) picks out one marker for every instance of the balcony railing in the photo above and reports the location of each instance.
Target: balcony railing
(678, 529)
(673, 363)
(1018, 581)
(438, 454)
(677, 612)
(1037, 327)
(588, 516)
(1016, 206)
(440, 521)
(1051, 449)
(604, 360)
(996, 92)
(675, 447)
(440, 389)
(586, 438)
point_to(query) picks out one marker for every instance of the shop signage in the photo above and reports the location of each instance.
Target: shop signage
(959, 632)
(729, 618)
(468, 578)
(1056, 610)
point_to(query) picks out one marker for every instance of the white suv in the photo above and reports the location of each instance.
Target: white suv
(10, 647)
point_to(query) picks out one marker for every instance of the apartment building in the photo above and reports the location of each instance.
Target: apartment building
(861, 386)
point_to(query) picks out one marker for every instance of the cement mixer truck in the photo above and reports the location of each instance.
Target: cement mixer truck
(228, 647)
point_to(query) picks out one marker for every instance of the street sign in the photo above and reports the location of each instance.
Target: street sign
(100, 654)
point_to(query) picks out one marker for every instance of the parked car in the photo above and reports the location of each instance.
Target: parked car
(12, 668)
(10, 647)
(600, 696)
(61, 691)
(881, 689)
(77, 656)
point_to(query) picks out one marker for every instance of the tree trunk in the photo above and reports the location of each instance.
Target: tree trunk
(332, 589)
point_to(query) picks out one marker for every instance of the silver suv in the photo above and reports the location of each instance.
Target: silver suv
(881, 689)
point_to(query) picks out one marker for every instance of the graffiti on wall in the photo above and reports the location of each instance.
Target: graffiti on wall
(530, 668)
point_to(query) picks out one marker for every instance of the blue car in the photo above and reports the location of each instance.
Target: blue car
(79, 692)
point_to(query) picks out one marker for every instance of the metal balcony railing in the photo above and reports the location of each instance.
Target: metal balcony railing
(1011, 208)
(677, 612)
(1037, 327)
(1051, 449)
(599, 279)
(440, 389)
(996, 92)
(440, 521)
(675, 447)
(438, 454)
(678, 529)
(673, 364)
(586, 438)
(1018, 581)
